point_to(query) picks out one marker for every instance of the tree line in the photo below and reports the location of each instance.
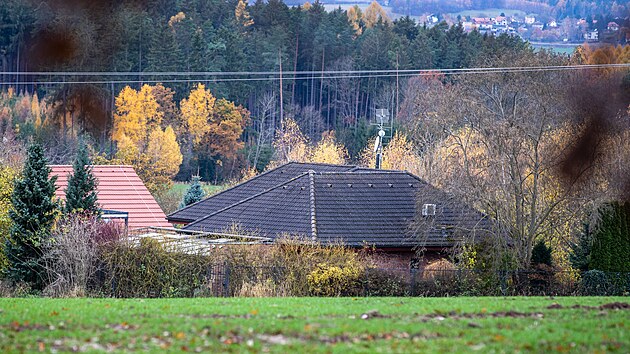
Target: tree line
(227, 36)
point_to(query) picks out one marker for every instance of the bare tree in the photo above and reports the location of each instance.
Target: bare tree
(264, 122)
(503, 141)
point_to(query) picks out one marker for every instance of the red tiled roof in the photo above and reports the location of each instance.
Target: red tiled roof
(119, 188)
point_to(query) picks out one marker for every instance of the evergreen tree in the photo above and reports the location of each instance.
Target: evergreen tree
(33, 214)
(81, 192)
(194, 194)
(580, 255)
(541, 254)
(611, 241)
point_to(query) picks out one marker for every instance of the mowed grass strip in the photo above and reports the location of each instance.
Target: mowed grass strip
(485, 324)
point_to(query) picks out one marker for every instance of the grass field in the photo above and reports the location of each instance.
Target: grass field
(210, 189)
(449, 325)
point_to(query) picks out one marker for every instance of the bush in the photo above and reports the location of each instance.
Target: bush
(386, 282)
(332, 280)
(596, 283)
(439, 270)
(287, 264)
(541, 254)
(71, 256)
(148, 270)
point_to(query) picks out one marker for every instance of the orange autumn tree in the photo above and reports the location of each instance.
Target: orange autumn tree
(142, 142)
(214, 125)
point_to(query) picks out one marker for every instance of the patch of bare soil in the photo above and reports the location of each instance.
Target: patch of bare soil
(609, 306)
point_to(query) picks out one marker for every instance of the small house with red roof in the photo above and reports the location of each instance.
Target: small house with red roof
(120, 192)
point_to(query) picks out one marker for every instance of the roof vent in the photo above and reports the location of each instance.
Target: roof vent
(410, 184)
(370, 185)
(329, 184)
(391, 185)
(301, 188)
(350, 185)
(428, 210)
(284, 187)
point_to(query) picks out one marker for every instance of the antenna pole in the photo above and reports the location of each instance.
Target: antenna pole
(281, 99)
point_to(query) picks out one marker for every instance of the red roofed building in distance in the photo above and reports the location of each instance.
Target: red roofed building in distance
(120, 189)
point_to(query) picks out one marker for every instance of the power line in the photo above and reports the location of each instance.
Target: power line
(349, 74)
(332, 72)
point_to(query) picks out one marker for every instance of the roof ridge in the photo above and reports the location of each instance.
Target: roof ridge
(311, 186)
(357, 173)
(169, 216)
(319, 164)
(99, 165)
(246, 199)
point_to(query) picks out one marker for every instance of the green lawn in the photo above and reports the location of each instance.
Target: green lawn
(485, 325)
(210, 189)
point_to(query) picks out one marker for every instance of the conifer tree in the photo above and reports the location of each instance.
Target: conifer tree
(194, 194)
(541, 254)
(81, 192)
(610, 251)
(33, 214)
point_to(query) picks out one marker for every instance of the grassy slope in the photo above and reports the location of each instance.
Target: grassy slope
(314, 325)
(210, 189)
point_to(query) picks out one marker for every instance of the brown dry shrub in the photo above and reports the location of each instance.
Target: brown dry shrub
(287, 264)
(71, 255)
(439, 270)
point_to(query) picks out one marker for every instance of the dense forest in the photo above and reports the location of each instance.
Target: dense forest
(179, 37)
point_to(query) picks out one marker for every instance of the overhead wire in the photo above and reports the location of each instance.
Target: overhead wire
(311, 72)
(288, 75)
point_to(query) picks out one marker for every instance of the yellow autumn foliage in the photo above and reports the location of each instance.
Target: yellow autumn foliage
(328, 150)
(373, 13)
(163, 157)
(398, 154)
(291, 144)
(7, 178)
(354, 17)
(137, 112)
(242, 15)
(141, 142)
(197, 111)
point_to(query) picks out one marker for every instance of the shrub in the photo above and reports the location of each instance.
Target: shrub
(287, 264)
(194, 193)
(333, 280)
(386, 282)
(71, 256)
(541, 254)
(148, 270)
(439, 270)
(595, 283)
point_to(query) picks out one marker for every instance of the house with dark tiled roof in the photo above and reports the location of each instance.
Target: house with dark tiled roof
(120, 192)
(253, 186)
(394, 211)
